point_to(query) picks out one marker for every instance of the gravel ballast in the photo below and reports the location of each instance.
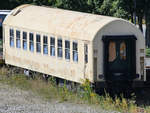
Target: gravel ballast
(14, 100)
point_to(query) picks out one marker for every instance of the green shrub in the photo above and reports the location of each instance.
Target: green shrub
(147, 52)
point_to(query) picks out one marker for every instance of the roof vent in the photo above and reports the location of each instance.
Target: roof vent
(19, 9)
(16, 12)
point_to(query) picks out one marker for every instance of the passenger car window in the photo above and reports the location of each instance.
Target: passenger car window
(11, 36)
(59, 49)
(123, 50)
(75, 51)
(45, 44)
(67, 49)
(52, 46)
(18, 42)
(38, 43)
(112, 51)
(25, 40)
(31, 42)
(86, 53)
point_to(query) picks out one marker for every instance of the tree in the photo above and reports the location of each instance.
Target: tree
(140, 10)
(147, 20)
(4, 4)
(113, 8)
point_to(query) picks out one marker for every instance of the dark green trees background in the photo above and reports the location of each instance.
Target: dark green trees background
(126, 9)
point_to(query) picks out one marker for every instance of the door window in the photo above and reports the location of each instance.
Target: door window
(123, 51)
(112, 51)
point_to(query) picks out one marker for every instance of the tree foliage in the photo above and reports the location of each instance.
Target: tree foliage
(117, 8)
(113, 8)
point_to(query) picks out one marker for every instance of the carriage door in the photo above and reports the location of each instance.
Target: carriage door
(119, 59)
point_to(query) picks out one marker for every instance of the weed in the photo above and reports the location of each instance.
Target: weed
(85, 93)
(88, 93)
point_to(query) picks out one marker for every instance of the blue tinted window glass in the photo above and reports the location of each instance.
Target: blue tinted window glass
(52, 49)
(38, 43)
(2, 17)
(59, 49)
(31, 46)
(45, 44)
(11, 34)
(75, 56)
(18, 42)
(25, 45)
(1, 20)
(25, 40)
(67, 49)
(45, 49)
(75, 51)
(31, 42)
(52, 46)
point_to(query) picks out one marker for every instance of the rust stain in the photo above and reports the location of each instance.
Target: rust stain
(52, 70)
(74, 34)
(72, 72)
(65, 71)
(45, 66)
(16, 59)
(26, 61)
(75, 21)
(7, 56)
(35, 64)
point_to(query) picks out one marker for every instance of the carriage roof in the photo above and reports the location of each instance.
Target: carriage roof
(70, 24)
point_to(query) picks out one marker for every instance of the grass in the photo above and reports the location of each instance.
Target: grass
(50, 91)
(147, 52)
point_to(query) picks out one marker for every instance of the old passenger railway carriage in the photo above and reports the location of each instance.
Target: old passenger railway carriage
(74, 46)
